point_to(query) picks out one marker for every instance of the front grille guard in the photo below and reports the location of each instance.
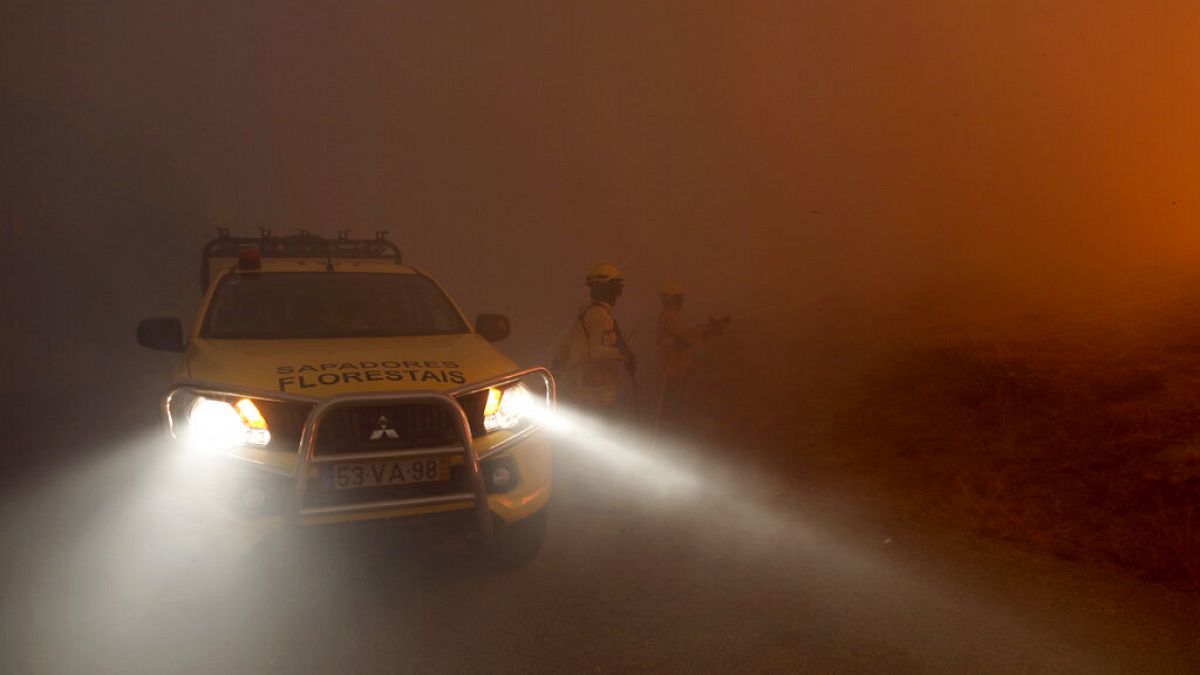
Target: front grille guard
(322, 407)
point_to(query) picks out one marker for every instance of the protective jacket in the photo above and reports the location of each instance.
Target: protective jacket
(588, 361)
(675, 342)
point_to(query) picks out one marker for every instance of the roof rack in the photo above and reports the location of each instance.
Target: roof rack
(296, 246)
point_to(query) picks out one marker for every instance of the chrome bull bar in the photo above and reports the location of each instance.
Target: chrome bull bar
(465, 447)
(294, 512)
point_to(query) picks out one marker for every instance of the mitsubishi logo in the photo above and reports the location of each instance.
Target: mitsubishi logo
(384, 431)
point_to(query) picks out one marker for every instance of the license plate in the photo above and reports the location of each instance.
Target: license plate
(390, 472)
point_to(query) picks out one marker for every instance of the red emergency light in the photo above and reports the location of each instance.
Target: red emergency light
(249, 259)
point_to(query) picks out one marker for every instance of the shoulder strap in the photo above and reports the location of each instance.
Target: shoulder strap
(587, 308)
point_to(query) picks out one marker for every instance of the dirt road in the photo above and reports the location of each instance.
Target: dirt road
(634, 577)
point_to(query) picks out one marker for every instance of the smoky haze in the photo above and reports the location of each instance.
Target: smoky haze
(874, 151)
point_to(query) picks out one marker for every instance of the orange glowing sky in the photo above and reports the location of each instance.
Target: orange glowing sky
(731, 144)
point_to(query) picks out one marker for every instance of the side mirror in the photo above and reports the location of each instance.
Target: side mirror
(492, 327)
(162, 332)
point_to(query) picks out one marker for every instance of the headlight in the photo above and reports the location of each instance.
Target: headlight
(506, 408)
(215, 424)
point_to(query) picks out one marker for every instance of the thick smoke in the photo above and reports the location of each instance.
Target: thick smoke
(933, 157)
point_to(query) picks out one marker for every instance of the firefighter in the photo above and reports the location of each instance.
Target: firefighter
(588, 362)
(675, 343)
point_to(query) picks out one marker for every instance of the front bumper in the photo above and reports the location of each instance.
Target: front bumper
(272, 487)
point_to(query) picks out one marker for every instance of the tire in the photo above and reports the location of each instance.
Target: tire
(517, 544)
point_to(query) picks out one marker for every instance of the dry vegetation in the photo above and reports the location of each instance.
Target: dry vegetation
(1083, 443)
(1081, 450)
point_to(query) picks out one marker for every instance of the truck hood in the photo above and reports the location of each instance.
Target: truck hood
(326, 367)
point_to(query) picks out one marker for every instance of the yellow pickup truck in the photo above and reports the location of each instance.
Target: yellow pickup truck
(325, 382)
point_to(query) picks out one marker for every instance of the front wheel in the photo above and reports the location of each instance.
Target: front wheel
(517, 544)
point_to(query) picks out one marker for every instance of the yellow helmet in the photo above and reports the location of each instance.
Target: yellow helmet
(603, 272)
(671, 288)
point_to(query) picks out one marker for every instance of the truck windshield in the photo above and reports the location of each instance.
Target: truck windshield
(328, 305)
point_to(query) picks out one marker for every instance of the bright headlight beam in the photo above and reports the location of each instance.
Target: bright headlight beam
(119, 572)
(214, 424)
(585, 433)
(506, 408)
(217, 425)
